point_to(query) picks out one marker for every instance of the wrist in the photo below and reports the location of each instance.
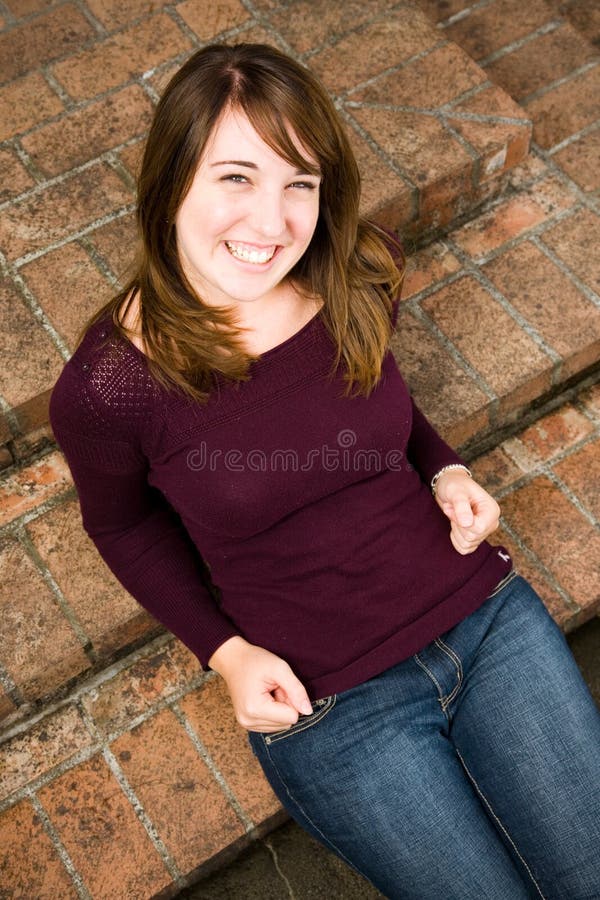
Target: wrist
(229, 651)
(451, 468)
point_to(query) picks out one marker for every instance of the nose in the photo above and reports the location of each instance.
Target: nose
(269, 214)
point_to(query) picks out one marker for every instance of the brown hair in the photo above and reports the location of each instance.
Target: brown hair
(347, 263)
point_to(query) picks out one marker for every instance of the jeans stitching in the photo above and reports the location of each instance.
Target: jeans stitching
(499, 824)
(428, 672)
(447, 700)
(303, 726)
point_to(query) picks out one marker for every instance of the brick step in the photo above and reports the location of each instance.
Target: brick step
(431, 148)
(499, 318)
(546, 55)
(150, 745)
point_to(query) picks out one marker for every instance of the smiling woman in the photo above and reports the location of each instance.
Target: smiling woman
(236, 411)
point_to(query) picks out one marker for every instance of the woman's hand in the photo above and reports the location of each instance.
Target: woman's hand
(473, 513)
(265, 693)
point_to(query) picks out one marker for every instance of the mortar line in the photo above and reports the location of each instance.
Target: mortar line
(533, 558)
(213, 768)
(564, 268)
(11, 528)
(464, 13)
(31, 303)
(59, 598)
(61, 851)
(58, 89)
(546, 28)
(75, 235)
(575, 73)
(454, 352)
(142, 815)
(573, 138)
(392, 70)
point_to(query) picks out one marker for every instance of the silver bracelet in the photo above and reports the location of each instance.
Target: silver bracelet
(437, 475)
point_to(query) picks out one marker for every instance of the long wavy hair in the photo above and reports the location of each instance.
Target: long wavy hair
(348, 264)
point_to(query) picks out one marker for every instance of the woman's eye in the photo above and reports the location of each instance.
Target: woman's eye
(306, 185)
(236, 179)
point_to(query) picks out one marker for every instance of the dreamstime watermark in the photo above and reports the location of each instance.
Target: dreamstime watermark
(346, 457)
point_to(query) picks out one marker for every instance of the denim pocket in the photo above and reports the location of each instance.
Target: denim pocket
(320, 710)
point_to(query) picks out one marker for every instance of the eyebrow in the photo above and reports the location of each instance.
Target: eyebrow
(251, 165)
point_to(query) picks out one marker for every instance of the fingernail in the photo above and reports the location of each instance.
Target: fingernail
(306, 708)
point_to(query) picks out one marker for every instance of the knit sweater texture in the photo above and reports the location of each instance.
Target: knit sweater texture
(311, 510)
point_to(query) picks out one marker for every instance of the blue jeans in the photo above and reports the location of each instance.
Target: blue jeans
(470, 771)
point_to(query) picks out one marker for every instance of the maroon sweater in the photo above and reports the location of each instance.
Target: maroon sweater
(312, 510)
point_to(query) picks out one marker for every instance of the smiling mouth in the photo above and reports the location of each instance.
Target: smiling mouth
(251, 254)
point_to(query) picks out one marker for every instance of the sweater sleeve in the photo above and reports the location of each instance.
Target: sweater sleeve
(426, 450)
(139, 536)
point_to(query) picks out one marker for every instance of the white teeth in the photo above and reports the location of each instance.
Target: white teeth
(247, 255)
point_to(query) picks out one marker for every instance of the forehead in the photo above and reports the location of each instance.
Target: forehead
(234, 133)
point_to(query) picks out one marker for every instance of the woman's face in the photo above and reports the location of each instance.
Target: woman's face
(247, 218)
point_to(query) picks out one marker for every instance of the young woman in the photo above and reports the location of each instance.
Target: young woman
(237, 409)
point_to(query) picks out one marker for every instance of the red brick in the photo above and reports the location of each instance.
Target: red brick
(445, 392)
(419, 84)
(556, 432)
(39, 649)
(496, 25)
(207, 20)
(131, 157)
(115, 242)
(67, 274)
(25, 103)
(549, 300)
(385, 198)
(28, 487)
(559, 535)
(476, 323)
(31, 418)
(495, 470)
(6, 705)
(14, 177)
(116, 13)
(565, 109)
(61, 209)
(309, 23)
(191, 813)
(41, 40)
(581, 473)
(580, 161)
(419, 145)
(501, 145)
(29, 865)
(30, 361)
(211, 715)
(121, 57)
(86, 133)
(590, 398)
(372, 49)
(541, 61)
(440, 10)
(110, 616)
(561, 612)
(584, 15)
(101, 833)
(427, 267)
(513, 217)
(575, 240)
(114, 704)
(46, 744)
(22, 8)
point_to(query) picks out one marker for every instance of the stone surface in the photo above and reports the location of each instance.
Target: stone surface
(62, 209)
(39, 649)
(209, 711)
(25, 874)
(109, 615)
(101, 833)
